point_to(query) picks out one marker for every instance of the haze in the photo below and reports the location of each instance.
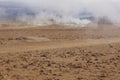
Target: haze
(70, 9)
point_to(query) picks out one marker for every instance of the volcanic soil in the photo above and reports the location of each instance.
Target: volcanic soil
(58, 53)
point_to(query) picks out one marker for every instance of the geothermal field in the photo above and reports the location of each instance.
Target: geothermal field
(59, 53)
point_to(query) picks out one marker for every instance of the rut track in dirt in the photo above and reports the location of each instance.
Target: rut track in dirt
(27, 46)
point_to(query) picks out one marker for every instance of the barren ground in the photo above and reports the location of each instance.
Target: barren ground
(47, 53)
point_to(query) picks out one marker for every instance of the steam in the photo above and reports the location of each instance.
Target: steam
(69, 11)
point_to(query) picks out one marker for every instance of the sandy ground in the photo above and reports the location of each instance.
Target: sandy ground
(44, 53)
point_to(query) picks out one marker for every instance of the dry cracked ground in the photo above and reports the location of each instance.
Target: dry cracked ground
(45, 53)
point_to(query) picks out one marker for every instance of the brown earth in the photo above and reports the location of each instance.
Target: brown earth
(55, 53)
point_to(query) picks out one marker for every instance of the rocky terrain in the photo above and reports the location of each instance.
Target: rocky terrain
(54, 53)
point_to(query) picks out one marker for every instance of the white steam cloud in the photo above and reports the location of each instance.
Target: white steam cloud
(68, 11)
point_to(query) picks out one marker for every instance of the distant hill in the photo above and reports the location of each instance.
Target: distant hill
(13, 10)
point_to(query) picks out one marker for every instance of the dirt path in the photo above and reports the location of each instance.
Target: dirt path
(27, 46)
